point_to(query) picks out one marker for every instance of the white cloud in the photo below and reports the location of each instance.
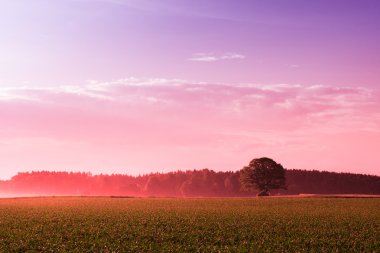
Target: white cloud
(316, 103)
(11, 93)
(210, 57)
(230, 56)
(274, 107)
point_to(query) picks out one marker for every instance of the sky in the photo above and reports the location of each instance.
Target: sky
(140, 86)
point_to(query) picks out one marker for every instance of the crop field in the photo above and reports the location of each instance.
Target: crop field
(189, 225)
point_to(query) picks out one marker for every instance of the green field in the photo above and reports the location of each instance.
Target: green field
(189, 225)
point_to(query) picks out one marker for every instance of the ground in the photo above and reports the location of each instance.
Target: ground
(75, 224)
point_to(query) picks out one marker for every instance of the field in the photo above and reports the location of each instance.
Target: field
(189, 225)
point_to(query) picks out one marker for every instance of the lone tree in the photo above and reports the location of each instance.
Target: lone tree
(263, 174)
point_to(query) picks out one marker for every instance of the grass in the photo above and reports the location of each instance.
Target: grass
(189, 225)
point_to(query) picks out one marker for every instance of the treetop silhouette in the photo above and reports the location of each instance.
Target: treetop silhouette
(263, 174)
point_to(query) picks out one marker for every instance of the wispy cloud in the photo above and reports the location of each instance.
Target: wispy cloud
(210, 57)
(195, 121)
(310, 105)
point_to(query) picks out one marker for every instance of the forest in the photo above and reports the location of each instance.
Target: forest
(191, 183)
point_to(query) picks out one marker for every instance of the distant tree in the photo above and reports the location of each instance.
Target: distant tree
(263, 174)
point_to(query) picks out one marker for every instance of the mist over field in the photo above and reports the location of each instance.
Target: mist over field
(195, 183)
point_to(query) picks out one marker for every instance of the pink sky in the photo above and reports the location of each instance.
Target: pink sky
(141, 125)
(127, 86)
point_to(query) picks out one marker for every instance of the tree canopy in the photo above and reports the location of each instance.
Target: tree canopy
(263, 174)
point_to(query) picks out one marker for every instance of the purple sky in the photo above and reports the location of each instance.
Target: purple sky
(307, 42)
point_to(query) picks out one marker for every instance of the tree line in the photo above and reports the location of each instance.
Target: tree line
(191, 183)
